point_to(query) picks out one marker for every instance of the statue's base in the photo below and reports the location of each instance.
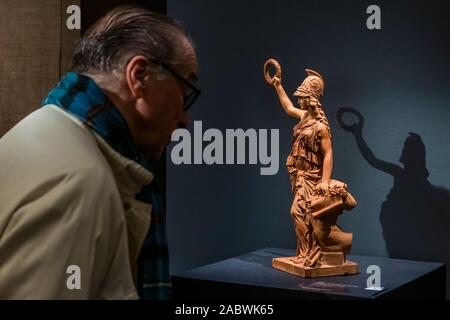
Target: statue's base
(287, 264)
(251, 277)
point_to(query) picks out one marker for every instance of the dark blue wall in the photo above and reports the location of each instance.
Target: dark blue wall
(397, 77)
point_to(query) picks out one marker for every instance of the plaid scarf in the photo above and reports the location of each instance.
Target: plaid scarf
(80, 96)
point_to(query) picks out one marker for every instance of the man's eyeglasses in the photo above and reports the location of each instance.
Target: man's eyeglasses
(194, 91)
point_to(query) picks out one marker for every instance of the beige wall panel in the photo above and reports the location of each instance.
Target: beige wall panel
(29, 56)
(68, 37)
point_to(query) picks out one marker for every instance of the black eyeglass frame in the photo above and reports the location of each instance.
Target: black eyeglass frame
(191, 97)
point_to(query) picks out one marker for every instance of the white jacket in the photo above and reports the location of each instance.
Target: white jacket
(67, 198)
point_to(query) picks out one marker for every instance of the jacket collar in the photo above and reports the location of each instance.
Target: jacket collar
(83, 98)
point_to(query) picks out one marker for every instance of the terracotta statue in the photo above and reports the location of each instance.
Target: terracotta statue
(318, 200)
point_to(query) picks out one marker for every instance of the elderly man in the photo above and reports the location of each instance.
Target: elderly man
(75, 195)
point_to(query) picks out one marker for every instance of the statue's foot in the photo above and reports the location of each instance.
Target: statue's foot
(298, 260)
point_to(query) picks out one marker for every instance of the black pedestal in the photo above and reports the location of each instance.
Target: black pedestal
(251, 276)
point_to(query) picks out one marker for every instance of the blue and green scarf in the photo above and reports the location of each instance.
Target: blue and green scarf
(80, 96)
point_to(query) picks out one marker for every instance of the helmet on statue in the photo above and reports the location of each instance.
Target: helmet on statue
(312, 86)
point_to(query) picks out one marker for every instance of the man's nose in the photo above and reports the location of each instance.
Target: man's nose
(184, 120)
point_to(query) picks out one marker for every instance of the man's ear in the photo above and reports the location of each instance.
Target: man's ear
(137, 75)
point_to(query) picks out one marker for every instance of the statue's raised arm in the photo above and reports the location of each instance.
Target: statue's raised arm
(275, 81)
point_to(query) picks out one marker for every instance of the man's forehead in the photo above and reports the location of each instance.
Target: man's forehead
(191, 66)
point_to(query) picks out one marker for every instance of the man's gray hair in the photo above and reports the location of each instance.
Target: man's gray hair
(125, 32)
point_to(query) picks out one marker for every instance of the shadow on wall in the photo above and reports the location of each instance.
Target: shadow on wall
(415, 216)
